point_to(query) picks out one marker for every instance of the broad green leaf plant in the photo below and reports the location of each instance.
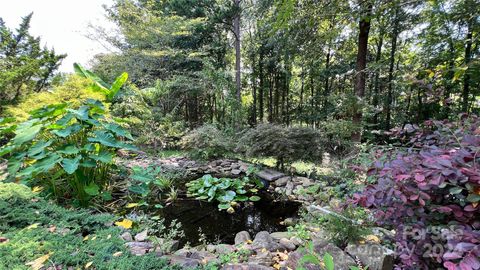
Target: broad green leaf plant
(110, 91)
(67, 151)
(226, 191)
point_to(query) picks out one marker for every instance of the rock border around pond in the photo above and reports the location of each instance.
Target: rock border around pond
(276, 250)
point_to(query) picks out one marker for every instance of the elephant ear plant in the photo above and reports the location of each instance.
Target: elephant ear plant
(68, 152)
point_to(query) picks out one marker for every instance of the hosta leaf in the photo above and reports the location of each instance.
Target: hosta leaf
(69, 150)
(141, 189)
(43, 165)
(104, 156)
(88, 163)
(67, 131)
(26, 134)
(49, 111)
(105, 138)
(65, 119)
(92, 189)
(6, 149)
(70, 165)
(118, 130)
(81, 113)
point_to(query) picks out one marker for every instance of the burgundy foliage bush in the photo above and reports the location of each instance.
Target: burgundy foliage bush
(430, 193)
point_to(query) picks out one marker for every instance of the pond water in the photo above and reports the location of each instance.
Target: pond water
(219, 226)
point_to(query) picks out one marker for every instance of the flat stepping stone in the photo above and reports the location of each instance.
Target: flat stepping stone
(269, 175)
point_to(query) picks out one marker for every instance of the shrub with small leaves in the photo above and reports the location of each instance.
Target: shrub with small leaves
(207, 142)
(430, 194)
(286, 144)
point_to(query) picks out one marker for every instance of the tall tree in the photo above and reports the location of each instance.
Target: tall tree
(360, 75)
(24, 65)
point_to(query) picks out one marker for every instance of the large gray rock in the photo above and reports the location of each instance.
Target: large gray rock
(279, 235)
(242, 237)
(142, 236)
(224, 249)
(375, 256)
(263, 240)
(342, 260)
(269, 174)
(287, 244)
(182, 261)
(261, 258)
(282, 181)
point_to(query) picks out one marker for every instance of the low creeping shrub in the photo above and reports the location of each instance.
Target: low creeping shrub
(32, 228)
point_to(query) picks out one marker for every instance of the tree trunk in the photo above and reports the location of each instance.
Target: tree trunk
(391, 71)
(261, 87)
(236, 30)
(376, 88)
(466, 78)
(364, 29)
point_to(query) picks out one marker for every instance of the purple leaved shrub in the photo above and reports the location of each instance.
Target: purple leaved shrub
(429, 193)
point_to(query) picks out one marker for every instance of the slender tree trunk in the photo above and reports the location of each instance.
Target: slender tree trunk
(466, 78)
(364, 30)
(236, 30)
(376, 88)
(261, 87)
(391, 71)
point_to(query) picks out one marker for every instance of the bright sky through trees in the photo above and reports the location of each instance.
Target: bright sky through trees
(62, 24)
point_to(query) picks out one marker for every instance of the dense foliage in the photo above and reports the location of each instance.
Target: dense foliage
(430, 194)
(68, 151)
(207, 142)
(283, 143)
(25, 66)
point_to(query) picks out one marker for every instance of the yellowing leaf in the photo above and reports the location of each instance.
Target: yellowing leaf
(37, 189)
(131, 205)
(38, 263)
(86, 238)
(94, 237)
(372, 238)
(109, 236)
(88, 265)
(125, 223)
(117, 254)
(33, 226)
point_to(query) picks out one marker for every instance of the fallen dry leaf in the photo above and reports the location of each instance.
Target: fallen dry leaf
(88, 265)
(38, 263)
(117, 254)
(125, 223)
(52, 228)
(3, 240)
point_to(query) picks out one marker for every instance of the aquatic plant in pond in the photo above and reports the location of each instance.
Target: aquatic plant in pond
(228, 192)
